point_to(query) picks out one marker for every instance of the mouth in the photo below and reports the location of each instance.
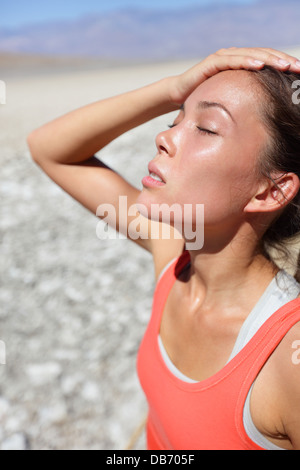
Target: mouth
(155, 178)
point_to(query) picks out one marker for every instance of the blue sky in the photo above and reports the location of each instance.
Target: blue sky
(18, 12)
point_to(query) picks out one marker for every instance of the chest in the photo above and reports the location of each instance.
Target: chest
(199, 342)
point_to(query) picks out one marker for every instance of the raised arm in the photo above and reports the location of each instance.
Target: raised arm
(65, 147)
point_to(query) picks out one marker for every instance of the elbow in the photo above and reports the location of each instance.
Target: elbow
(31, 142)
(34, 145)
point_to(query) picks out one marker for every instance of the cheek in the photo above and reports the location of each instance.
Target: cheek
(224, 185)
(199, 178)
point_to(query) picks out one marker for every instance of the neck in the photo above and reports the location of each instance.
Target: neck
(223, 273)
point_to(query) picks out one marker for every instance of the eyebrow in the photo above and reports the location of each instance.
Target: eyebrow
(211, 104)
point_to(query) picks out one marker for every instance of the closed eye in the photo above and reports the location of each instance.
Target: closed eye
(206, 131)
(201, 129)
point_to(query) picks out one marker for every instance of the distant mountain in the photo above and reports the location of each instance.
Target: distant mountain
(149, 34)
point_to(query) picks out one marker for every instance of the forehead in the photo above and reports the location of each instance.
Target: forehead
(236, 90)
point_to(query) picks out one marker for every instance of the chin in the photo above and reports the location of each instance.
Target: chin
(156, 210)
(144, 203)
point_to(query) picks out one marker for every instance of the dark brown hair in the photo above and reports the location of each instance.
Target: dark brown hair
(281, 115)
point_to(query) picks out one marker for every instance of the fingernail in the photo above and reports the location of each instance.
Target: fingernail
(284, 63)
(297, 64)
(259, 63)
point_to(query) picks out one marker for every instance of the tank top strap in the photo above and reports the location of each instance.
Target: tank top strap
(259, 349)
(165, 284)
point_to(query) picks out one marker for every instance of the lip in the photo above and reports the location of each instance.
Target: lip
(150, 182)
(153, 169)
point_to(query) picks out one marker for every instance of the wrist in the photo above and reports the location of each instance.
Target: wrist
(173, 93)
(166, 90)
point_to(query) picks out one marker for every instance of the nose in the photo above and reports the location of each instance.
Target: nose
(165, 143)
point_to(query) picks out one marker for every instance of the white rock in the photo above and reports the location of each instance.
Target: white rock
(4, 408)
(55, 414)
(43, 374)
(90, 392)
(66, 354)
(74, 295)
(49, 286)
(14, 442)
(15, 424)
(69, 384)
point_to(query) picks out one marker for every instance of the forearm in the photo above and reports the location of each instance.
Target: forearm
(78, 135)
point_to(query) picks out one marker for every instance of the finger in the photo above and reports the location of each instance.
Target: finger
(219, 63)
(271, 57)
(295, 63)
(252, 51)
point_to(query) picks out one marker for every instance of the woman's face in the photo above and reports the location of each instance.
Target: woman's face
(210, 155)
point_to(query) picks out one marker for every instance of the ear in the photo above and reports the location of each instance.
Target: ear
(274, 194)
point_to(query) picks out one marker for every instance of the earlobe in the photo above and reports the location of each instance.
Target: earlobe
(274, 194)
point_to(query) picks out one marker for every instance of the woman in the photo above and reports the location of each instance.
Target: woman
(216, 362)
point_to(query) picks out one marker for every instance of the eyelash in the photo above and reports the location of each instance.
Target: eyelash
(204, 131)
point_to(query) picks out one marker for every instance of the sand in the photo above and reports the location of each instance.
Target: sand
(73, 308)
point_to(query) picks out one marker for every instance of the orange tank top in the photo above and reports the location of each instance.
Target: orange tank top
(207, 415)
